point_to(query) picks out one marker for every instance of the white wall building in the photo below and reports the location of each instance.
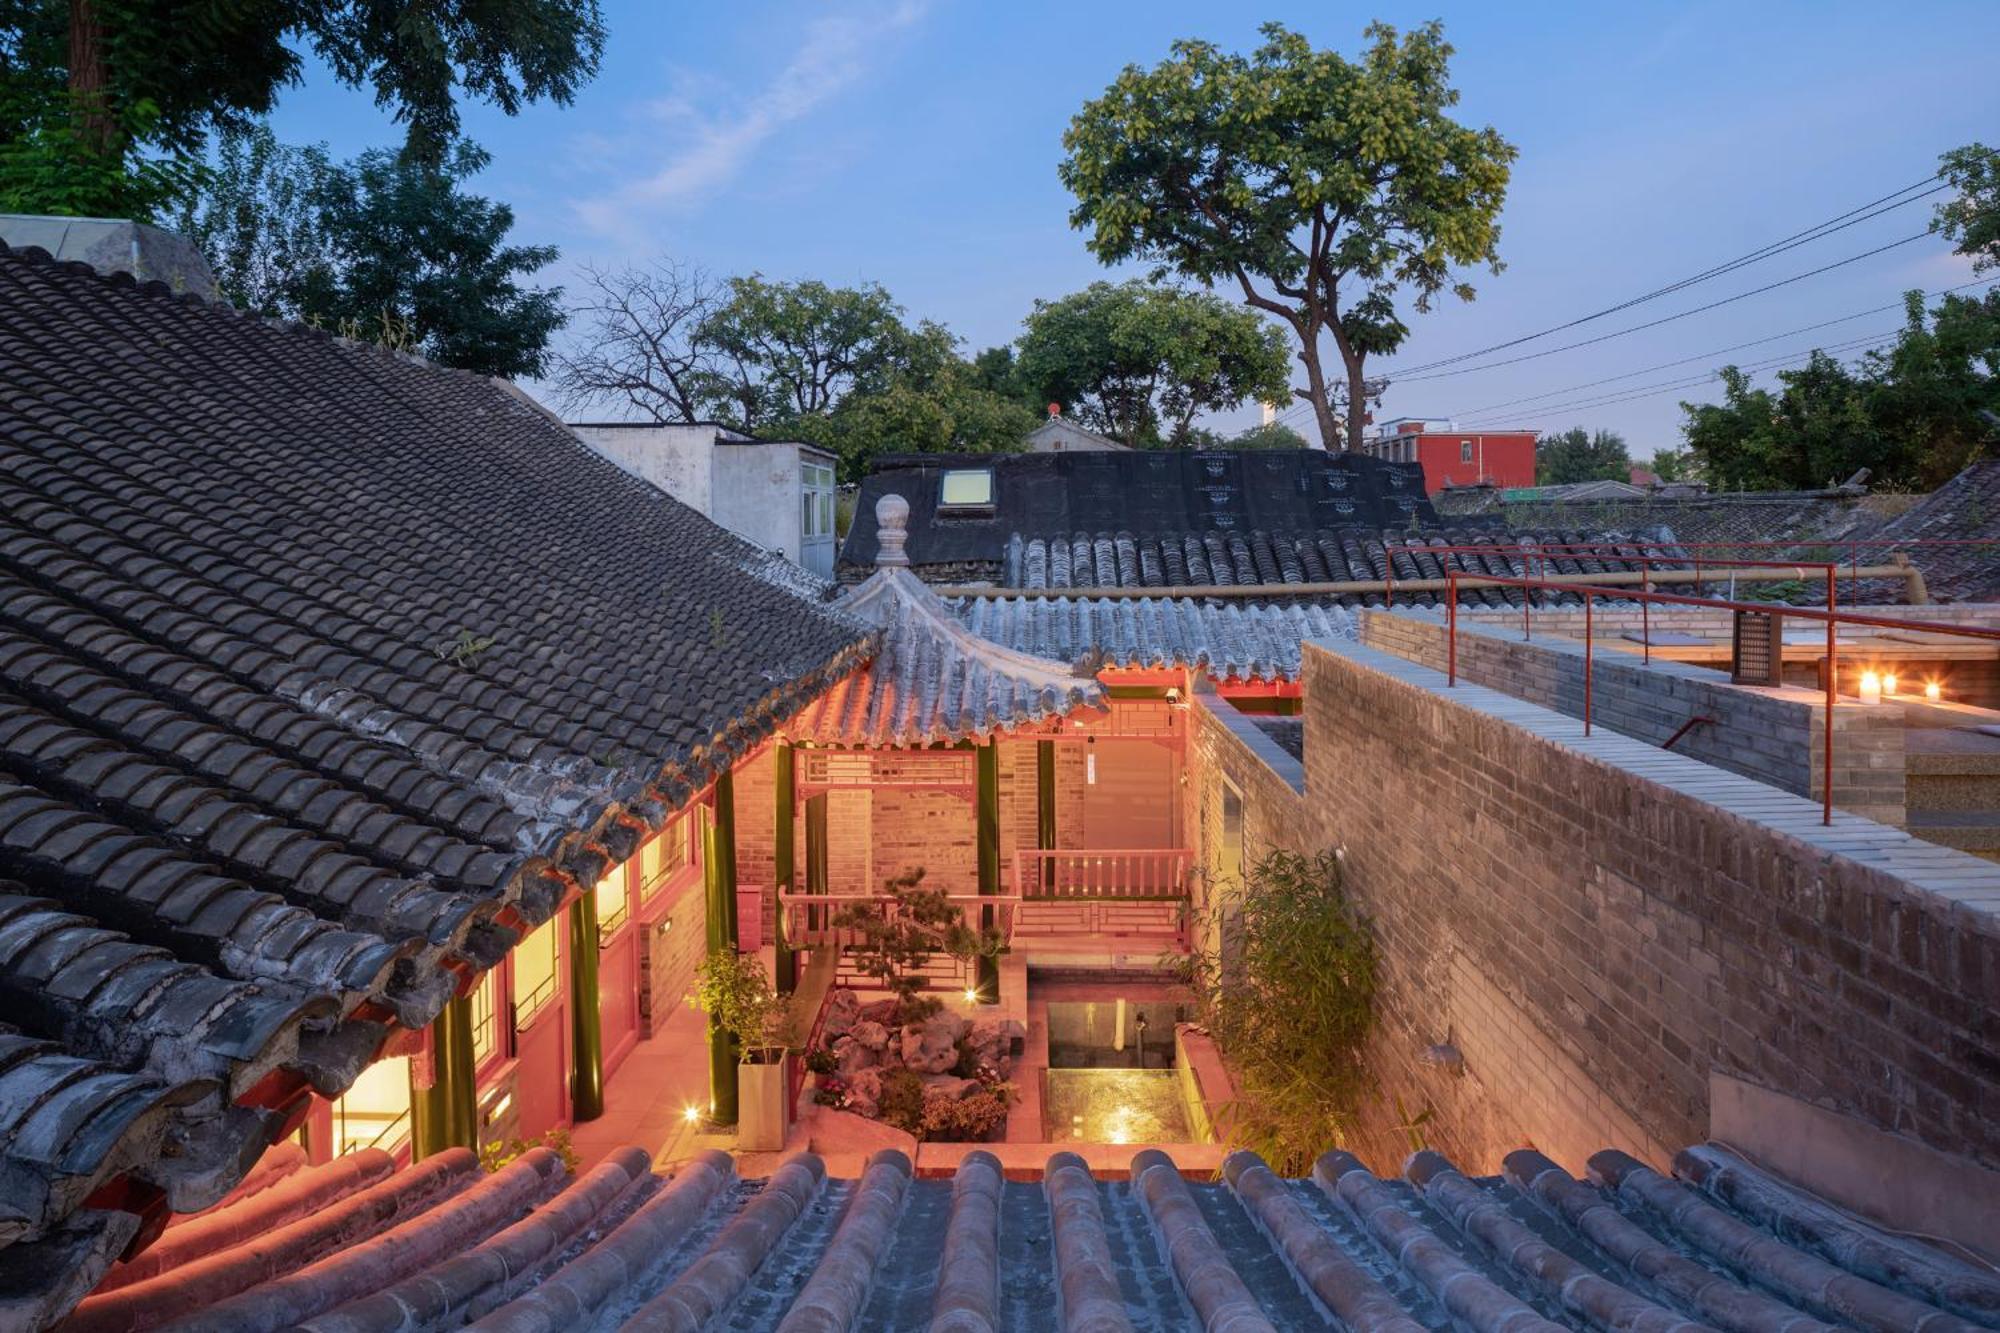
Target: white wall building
(777, 493)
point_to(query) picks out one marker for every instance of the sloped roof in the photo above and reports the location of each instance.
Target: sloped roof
(932, 679)
(342, 1247)
(1229, 640)
(1168, 493)
(324, 674)
(1964, 510)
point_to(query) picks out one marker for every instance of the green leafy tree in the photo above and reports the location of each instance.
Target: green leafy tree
(1971, 217)
(1139, 361)
(1319, 186)
(1578, 455)
(1286, 983)
(1677, 465)
(1270, 435)
(117, 88)
(379, 242)
(896, 936)
(834, 366)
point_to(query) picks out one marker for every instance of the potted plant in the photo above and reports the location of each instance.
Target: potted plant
(733, 990)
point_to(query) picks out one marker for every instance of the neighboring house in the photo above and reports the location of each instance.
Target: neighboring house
(113, 245)
(1453, 457)
(776, 493)
(1060, 435)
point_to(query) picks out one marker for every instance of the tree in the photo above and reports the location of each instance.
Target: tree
(1138, 361)
(1319, 186)
(103, 84)
(1971, 218)
(379, 243)
(1677, 465)
(833, 366)
(1577, 455)
(896, 935)
(1270, 435)
(645, 347)
(1286, 983)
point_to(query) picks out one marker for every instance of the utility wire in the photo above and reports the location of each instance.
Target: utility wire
(1853, 217)
(1720, 351)
(1754, 368)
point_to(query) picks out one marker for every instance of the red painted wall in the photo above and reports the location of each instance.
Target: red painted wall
(1504, 458)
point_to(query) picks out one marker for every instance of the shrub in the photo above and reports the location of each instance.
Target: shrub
(732, 989)
(1289, 994)
(972, 1118)
(902, 1101)
(493, 1156)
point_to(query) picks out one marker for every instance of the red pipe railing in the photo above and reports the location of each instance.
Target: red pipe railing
(1832, 617)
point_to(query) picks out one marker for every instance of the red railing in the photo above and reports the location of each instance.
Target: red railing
(1134, 872)
(1832, 617)
(806, 920)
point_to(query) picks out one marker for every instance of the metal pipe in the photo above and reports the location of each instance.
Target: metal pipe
(1832, 682)
(1589, 649)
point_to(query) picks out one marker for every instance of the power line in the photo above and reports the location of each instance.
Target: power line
(1720, 351)
(1753, 369)
(1839, 222)
(1668, 319)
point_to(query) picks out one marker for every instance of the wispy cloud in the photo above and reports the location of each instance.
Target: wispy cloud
(713, 130)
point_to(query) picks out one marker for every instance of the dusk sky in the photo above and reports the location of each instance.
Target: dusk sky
(915, 144)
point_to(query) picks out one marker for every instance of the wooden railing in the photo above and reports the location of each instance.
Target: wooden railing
(806, 920)
(1134, 873)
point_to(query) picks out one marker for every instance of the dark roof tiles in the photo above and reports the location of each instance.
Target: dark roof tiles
(316, 663)
(1724, 1246)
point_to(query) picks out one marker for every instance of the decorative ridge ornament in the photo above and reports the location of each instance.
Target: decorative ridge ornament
(892, 530)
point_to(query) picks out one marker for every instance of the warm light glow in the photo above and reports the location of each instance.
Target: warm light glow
(1871, 688)
(1889, 683)
(1932, 692)
(972, 996)
(692, 1114)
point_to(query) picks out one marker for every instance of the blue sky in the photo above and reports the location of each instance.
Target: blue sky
(914, 143)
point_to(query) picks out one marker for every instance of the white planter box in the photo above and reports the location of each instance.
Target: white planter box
(761, 1114)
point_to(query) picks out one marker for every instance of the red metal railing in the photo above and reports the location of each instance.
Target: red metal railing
(1832, 617)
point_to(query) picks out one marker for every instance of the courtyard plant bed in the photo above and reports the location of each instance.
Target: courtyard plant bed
(916, 1066)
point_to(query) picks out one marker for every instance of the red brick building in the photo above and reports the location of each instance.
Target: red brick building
(1452, 457)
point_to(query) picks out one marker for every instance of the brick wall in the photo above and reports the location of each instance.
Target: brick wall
(668, 958)
(1773, 735)
(1596, 926)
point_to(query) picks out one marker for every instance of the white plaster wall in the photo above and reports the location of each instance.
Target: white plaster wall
(756, 494)
(677, 459)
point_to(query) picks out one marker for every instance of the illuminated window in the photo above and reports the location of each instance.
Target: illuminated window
(485, 1019)
(966, 488)
(611, 902)
(375, 1112)
(534, 973)
(663, 857)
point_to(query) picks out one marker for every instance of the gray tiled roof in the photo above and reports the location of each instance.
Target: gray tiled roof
(1722, 1246)
(933, 680)
(257, 804)
(1229, 640)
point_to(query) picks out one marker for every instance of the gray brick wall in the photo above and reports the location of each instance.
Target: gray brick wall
(1772, 735)
(1596, 926)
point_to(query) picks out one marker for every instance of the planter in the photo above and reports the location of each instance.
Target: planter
(762, 1117)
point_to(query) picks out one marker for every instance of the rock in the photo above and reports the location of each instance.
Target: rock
(864, 1092)
(870, 1034)
(931, 1047)
(950, 1084)
(843, 1009)
(880, 1011)
(854, 1056)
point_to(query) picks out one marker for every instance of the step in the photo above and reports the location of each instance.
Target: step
(1968, 830)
